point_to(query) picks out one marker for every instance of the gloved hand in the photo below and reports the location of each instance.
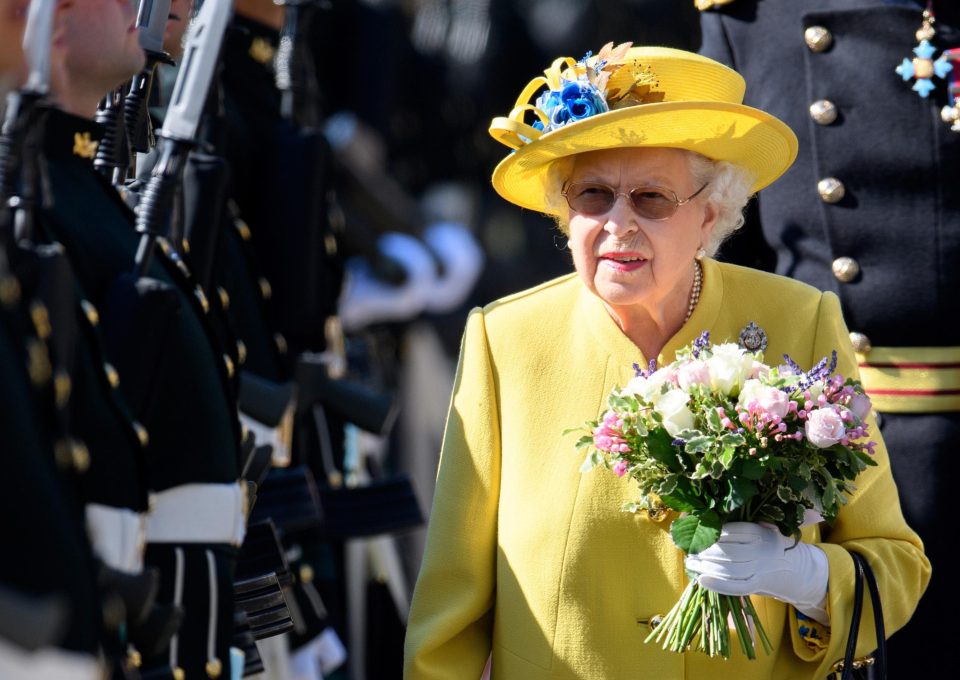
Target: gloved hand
(756, 559)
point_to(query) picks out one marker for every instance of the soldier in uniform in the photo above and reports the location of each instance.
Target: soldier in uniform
(164, 356)
(868, 211)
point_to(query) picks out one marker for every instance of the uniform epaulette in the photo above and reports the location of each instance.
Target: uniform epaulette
(704, 5)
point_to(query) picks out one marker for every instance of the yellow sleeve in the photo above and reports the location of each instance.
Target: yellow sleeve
(871, 523)
(451, 618)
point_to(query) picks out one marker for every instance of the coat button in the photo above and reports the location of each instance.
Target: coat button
(818, 38)
(823, 112)
(831, 190)
(861, 343)
(846, 269)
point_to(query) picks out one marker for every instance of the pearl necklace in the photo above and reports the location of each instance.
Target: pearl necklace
(695, 292)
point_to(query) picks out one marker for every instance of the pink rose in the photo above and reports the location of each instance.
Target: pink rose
(620, 468)
(755, 396)
(759, 370)
(824, 427)
(694, 372)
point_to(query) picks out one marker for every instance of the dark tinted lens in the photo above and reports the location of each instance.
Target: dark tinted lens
(590, 199)
(653, 203)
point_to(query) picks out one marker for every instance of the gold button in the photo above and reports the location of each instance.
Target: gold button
(265, 289)
(185, 244)
(823, 112)
(818, 38)
(142, 435)
(202, 299)
(134, 658)
(330, 244)
(228, 362)
(178, 674)
(846, 269)
(38, 366)
(242, 229)
(861, 343)
(41, 320)
(112, 376)
(224, 297)
(214, 668)
(831, 190)
(90, 312)
(9, 291)
(281, 342)
(241, 352)
(61, 388)
(306, 573)
(80, 456)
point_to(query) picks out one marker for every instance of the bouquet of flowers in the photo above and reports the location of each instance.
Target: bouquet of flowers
(719, 436)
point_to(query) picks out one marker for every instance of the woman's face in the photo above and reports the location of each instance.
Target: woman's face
(624, 258)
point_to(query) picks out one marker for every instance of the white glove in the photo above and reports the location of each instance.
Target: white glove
(756, 559)
(462, 260)
(365, 299)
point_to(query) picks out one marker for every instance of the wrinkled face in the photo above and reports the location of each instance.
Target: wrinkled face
(623, 257)
(180, 11)
(99, 39)
(13, 19)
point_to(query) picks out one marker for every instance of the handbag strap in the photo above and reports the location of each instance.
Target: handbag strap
(863, 574)
(854, 619)
(880, 654)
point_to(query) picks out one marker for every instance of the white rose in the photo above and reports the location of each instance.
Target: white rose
(673, 407)
(729, 368)
(649, 389)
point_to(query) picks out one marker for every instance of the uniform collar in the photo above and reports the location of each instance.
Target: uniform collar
(68, 136)
(252, 41)
(617, 344)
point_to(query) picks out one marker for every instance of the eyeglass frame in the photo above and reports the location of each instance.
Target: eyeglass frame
(678, 202)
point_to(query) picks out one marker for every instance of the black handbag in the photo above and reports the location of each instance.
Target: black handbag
(872, 666)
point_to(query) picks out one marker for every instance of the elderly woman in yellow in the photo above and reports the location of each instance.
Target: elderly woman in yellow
(646, 157)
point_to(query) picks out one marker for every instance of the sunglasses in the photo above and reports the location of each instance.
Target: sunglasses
(650, 202)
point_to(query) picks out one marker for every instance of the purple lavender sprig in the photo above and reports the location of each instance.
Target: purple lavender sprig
(641, 373)
(701, 344)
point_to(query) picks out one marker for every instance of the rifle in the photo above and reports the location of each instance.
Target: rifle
(20, 137)
(295, 73)
(152, 22)
(179, 131)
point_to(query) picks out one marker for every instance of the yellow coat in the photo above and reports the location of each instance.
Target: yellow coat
(533, 561)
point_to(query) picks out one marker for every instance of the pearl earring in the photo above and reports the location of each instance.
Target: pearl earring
(701, 253)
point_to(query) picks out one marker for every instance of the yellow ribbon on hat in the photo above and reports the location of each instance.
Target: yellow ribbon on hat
(510, 130)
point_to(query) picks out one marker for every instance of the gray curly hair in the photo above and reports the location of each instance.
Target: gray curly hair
(728, 190)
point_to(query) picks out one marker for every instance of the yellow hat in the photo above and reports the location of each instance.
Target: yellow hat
(635, 97)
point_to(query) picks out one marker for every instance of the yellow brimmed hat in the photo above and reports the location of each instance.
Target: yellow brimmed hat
(628, 96)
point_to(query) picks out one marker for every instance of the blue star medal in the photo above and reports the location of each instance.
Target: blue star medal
(923, 67)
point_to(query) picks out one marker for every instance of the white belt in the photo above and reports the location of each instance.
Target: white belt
(49, 663)
(198, 513)
(280, 438)
(118, 536)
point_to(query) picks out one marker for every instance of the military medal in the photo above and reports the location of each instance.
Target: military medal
(923, 67)
(951, 112)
